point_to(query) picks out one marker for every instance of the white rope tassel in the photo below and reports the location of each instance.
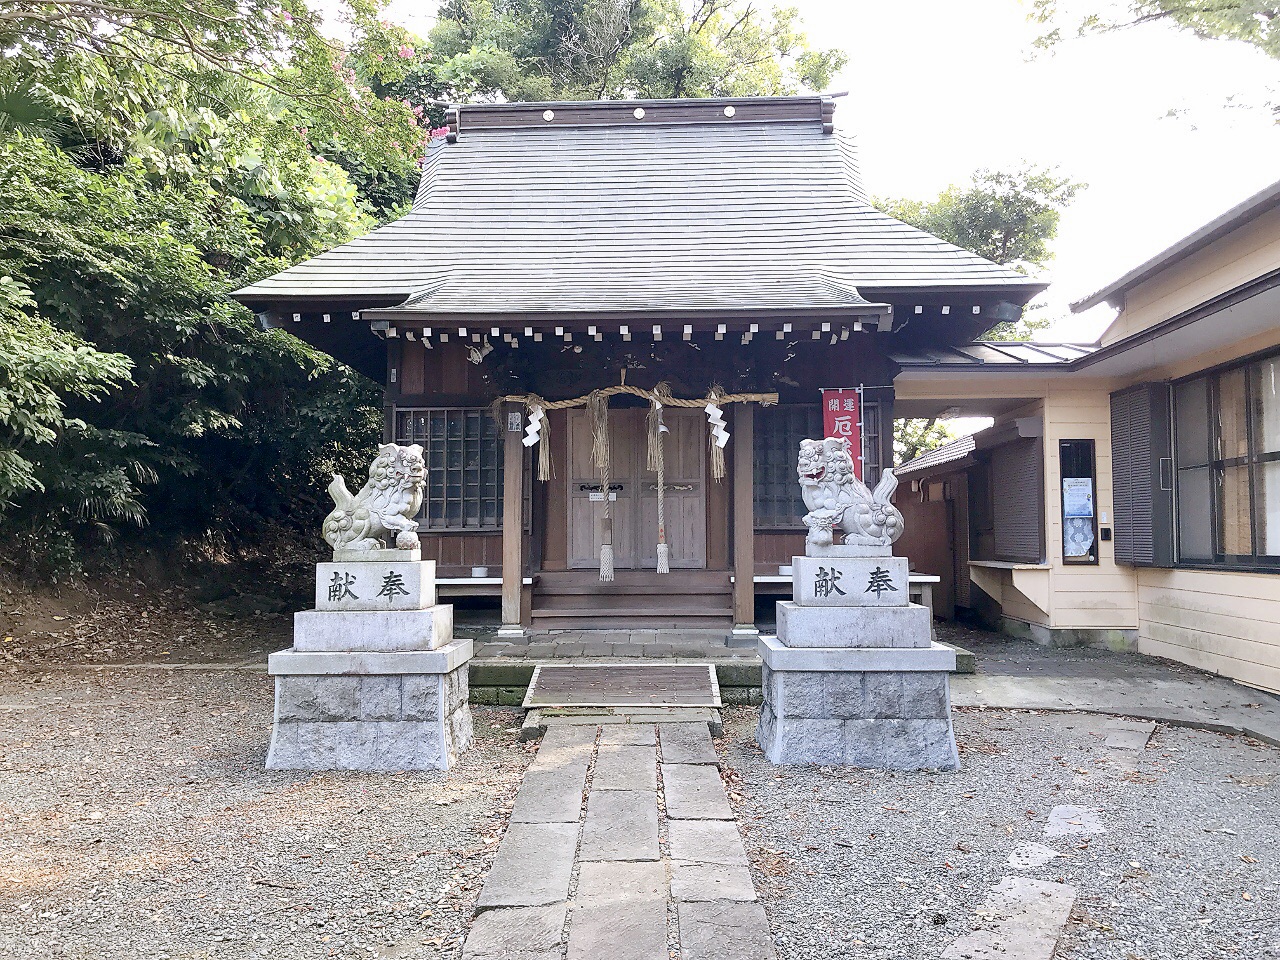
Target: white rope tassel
(656, 445)
(598, 406)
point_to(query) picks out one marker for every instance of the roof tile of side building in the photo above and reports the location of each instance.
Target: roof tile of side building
(947, 453)
(1007, 354)
(598, 209)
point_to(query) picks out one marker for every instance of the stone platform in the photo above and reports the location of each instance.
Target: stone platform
(375, 679)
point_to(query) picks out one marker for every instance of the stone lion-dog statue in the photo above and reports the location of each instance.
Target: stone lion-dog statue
(384, 508)
(838, 500)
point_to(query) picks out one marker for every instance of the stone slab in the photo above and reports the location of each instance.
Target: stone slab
(1073, 821)
(564, 745)
(625, 768)
(631, 735)
(620, 825)
(908, 626)
(846, 550)
(934, 656)
(517, 933)
(1124, 734)
(710, 881)
(706, 841)
(602, 882)
(1028, 856)
(532, 867)
(443, 659)
(551, 795)
(391, 585)
(850, 581)
(1022, 918)
(724, 930)
(375, 631)
(694, 792)
(686, 743)
(628, 929)
(386, 555)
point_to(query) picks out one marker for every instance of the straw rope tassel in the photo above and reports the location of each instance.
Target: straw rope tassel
(598, 408)
(657, 463)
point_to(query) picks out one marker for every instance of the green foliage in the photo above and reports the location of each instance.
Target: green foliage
(1010, 218)
(911, 438)
(135, 192)
(1255, 22)
(591, 49)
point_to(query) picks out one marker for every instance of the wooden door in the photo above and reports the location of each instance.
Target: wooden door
(685, 498)
(633, 490)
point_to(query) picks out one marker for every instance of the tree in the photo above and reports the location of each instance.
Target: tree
(592, 49)
(911, 438)
(1010, 218)
(1255, 22)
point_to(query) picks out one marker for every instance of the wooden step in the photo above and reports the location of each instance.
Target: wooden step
(666, 610)
(554, 621)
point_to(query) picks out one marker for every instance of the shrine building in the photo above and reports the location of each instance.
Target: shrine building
(609, 325)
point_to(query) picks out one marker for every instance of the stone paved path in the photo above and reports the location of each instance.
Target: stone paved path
(621, 846)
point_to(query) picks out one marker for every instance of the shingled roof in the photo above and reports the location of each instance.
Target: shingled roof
(638, 207)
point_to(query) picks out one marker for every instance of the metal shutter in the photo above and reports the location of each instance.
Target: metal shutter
(1141, 475)
(1017, 478)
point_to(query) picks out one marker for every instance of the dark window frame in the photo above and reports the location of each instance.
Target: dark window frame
(487, 443)
(766, 514)
(1092, 559)
(1218, 463)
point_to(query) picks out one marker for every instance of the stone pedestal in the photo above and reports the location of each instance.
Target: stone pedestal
(375, 679)
(853, 676)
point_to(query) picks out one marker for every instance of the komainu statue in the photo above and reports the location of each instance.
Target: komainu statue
(384, 507)
(838, 500)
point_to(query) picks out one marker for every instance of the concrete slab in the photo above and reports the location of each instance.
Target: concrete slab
(723, 930)
(1125, 734)
(694, 792)
(517, 933)
(686, 743)
(625, 768)
(620, 825)
(703, 882)
(1022, 918)
(551, 795)
(706, 841)
(565, 746)
(1071, 821)
(1028, 856)
(532, 867)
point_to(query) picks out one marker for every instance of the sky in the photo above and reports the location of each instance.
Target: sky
(1156, 121)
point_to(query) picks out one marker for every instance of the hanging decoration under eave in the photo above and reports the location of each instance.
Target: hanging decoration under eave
(657, 463)
(598, 411)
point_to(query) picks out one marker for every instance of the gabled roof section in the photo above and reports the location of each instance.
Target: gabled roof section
(947, 453)
(644, 207)
(1215, 229)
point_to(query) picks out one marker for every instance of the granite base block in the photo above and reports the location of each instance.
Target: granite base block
(385, 631)
(896, 626)
(880, 744)
(370, 722)
(849, 550)
(850, 582)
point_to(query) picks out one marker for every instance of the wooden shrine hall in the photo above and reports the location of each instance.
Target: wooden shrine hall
(609, 325)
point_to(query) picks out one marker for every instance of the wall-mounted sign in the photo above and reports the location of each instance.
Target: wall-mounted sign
(842, 417)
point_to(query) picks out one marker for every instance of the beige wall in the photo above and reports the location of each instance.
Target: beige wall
(1228, 623)
(1247, 253)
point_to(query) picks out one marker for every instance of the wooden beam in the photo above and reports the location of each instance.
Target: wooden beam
(512, 521)
(744, 562)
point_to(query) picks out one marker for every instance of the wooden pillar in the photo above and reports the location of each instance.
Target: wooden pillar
(512, 521)
(744, 554)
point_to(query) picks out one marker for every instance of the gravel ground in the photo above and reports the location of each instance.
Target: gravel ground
(136, 820)
(865, 864)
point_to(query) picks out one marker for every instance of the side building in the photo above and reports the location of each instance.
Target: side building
(1128, 494)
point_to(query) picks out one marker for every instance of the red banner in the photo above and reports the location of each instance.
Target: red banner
(842, 417)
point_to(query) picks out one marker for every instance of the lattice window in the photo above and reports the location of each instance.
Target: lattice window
(463, 451)
(778, 432)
